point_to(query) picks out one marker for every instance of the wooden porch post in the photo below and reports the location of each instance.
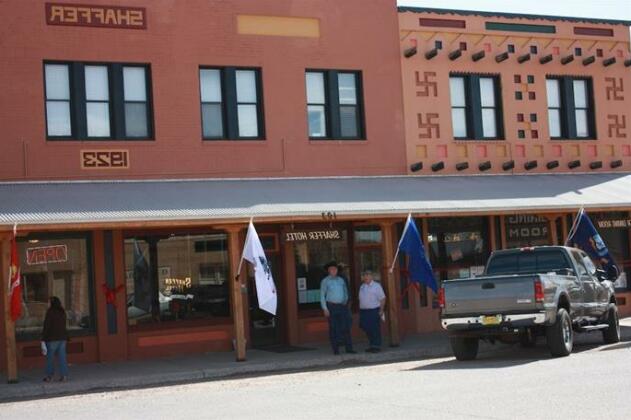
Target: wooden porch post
(387, 232)
(9, 325)
(237, 291)
(552, 225)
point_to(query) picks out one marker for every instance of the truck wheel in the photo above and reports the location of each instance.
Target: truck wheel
(560, 335)
(464, 348)
(612, 333)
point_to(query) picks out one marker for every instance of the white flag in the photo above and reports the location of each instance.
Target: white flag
(265, 288)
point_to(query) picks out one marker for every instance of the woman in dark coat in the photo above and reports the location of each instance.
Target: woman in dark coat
(55, 336)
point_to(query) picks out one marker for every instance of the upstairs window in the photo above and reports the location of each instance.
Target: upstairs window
(570, 108)
(231, 101)
(476, 111)
(334, 105)
(93, 102)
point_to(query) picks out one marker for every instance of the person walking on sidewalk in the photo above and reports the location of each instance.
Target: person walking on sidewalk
(55, 337)
(334, 300)
(372, 301)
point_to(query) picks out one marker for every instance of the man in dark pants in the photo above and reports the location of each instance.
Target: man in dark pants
(372, 301)
(334, 301)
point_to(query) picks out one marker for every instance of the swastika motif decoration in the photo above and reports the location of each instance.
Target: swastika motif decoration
(430, 128)
(614, 89)
(427, 84)
(617, 127)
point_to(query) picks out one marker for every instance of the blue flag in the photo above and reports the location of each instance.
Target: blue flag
(585, 236)
(418, 265)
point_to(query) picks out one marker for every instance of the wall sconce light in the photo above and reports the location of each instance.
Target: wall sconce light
(438, 166)
(478, 56)
(596, 164)
(567, 59)
(410, 52)
(531, 164)
(609, 61)
(589, 60)
(485, 166)
(574, 164)
(501, 57)
(415, 167)
(462, 166)
(507, 166)
(552, 164)
(431, 53)
(615, 164)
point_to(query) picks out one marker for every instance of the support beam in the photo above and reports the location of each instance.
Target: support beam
(388, 236)
(9, 325)
(237, 292)
(552, 226)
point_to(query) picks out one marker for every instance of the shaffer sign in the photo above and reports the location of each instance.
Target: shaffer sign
(313, 235)
(95, 15)
(46, 254)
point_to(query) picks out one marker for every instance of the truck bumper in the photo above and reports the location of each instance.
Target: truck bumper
(507, 322)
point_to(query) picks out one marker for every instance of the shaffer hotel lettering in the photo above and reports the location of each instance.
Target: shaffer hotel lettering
(313, 235)
(94, 15)
(46, 254)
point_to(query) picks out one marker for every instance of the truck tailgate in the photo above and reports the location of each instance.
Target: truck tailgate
(490, 295)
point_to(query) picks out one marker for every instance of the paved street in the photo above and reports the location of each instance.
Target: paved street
(594, 382)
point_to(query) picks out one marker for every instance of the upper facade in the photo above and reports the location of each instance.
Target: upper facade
(199, 88)
(502, 93)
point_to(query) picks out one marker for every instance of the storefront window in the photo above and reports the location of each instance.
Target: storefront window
(55, 266)
(524, 230)
(368, 257)
(614, 229)
(458, 247)
(313, 249)
(177, 277)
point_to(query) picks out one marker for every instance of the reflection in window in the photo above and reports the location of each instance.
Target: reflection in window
(54, 267)
(177, 277)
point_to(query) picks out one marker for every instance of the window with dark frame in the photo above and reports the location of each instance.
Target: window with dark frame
(476, 110)
(334, 104)
(570, 108)
(86, 101)
(231, 103)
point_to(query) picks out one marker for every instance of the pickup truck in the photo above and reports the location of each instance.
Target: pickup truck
(550, 291)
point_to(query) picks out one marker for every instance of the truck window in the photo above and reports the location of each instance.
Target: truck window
(528, 262)
(582, 271)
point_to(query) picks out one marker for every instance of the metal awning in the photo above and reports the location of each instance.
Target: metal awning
(97, 202)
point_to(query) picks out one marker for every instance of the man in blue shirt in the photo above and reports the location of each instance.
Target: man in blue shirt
(335, 304)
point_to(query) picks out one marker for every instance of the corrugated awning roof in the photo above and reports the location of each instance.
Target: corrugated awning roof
(35, 203)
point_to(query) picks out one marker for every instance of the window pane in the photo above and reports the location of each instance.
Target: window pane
(554, 122)
(96, 83)
(315, 88)
(58, 118)
(210, 85)
(581, 123)
(580, 93)
(212, 121)
(489, 126)
(136, 120)
(134, 84)
(459, 122)
(57, 82)
(347, 88)
(248, 121)
(552, 90)
(246, 86)
(317, 121)
(456, 91)
(487, 91)
(98, 115)
(54, 267)
(348, 121)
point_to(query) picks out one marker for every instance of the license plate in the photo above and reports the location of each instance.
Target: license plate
(491, 320)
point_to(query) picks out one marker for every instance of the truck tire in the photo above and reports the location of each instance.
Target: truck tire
(612, 333)
(464, 348)
(560, 335)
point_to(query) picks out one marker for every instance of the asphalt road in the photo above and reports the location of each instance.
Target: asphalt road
(593, 383)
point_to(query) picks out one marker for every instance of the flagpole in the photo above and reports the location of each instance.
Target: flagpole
(247, 236)
(396, 254)
(574, 225)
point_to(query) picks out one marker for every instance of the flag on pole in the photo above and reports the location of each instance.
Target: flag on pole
(419, 266)
(584, 235)
(15, 284)
(265, 288)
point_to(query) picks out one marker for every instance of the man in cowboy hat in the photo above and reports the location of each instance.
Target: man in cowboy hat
(335, 304)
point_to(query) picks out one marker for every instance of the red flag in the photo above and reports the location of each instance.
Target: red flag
(15, 286)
